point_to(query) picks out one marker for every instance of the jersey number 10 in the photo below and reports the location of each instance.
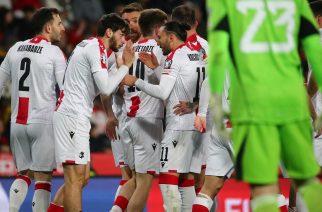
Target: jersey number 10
(139, 73)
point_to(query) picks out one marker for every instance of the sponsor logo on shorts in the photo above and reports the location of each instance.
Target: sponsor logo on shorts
(33, 204)
(154, 146)
(174, 143)
(71, 133)
(16, 190)
(81, 155)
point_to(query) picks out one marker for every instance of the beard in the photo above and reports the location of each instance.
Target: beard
(113, 44)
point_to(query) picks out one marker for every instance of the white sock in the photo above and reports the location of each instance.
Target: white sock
(214, 205)
(41, 199)
(171, 197)
(188, 194)
(18, 192)
(203, 200)
(116, 208)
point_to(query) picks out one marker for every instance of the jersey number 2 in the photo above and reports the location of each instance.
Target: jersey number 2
(24, 66)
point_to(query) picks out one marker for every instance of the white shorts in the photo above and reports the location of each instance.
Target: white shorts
(317, 143)
(176, 150)
(33, 147)
(219, 162)
(118, 146)
(71, 139)
(199, 153)
(145, 135)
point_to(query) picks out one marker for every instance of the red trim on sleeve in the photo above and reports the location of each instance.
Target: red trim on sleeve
(22, 115)
(151, 172)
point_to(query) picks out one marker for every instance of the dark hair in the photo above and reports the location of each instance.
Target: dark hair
(133, 7)
(150, 19)
(178, 29)
(112, 21)
(184, 14)
(41, 17)
(316, 7)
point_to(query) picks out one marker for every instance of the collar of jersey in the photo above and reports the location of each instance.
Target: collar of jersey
(101, 44)
(38, 39)
(170, 55)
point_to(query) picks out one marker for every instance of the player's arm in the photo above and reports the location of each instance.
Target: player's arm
(3, 79)
(59, 67)
(310, 39)
(200, 120)
(218, 34)
(204, 98)
(111, 122)
(161, 91)
(108, 83)
(5, 72)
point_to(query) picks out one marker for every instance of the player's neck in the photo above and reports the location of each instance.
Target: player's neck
(44, 35)
(191, 32)
(176, 44)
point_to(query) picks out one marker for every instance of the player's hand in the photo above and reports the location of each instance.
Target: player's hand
(119, 61)
(129, 80)
(200, 124)
(219, 116)
(150, 60)
(110, 127)
(184, 108)
(128, 54)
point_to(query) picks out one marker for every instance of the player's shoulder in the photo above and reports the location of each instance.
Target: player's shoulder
(202, 41)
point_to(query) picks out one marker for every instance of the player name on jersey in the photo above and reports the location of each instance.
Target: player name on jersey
(143, 48)
(193, 57)
(30, 48)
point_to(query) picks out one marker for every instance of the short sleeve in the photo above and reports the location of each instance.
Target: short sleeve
(97, 58)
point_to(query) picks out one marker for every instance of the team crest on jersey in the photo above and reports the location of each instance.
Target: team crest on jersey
(167, 64)
(103, 60)
(154, 146)
(174, 143)
(202, 54)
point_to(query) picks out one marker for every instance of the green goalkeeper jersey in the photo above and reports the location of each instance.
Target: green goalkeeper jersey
(258, 42)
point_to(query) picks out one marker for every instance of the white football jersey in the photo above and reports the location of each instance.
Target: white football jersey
(185, 65)
(79, 88)
(33, 66)
(196, 42)
(138, 103)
